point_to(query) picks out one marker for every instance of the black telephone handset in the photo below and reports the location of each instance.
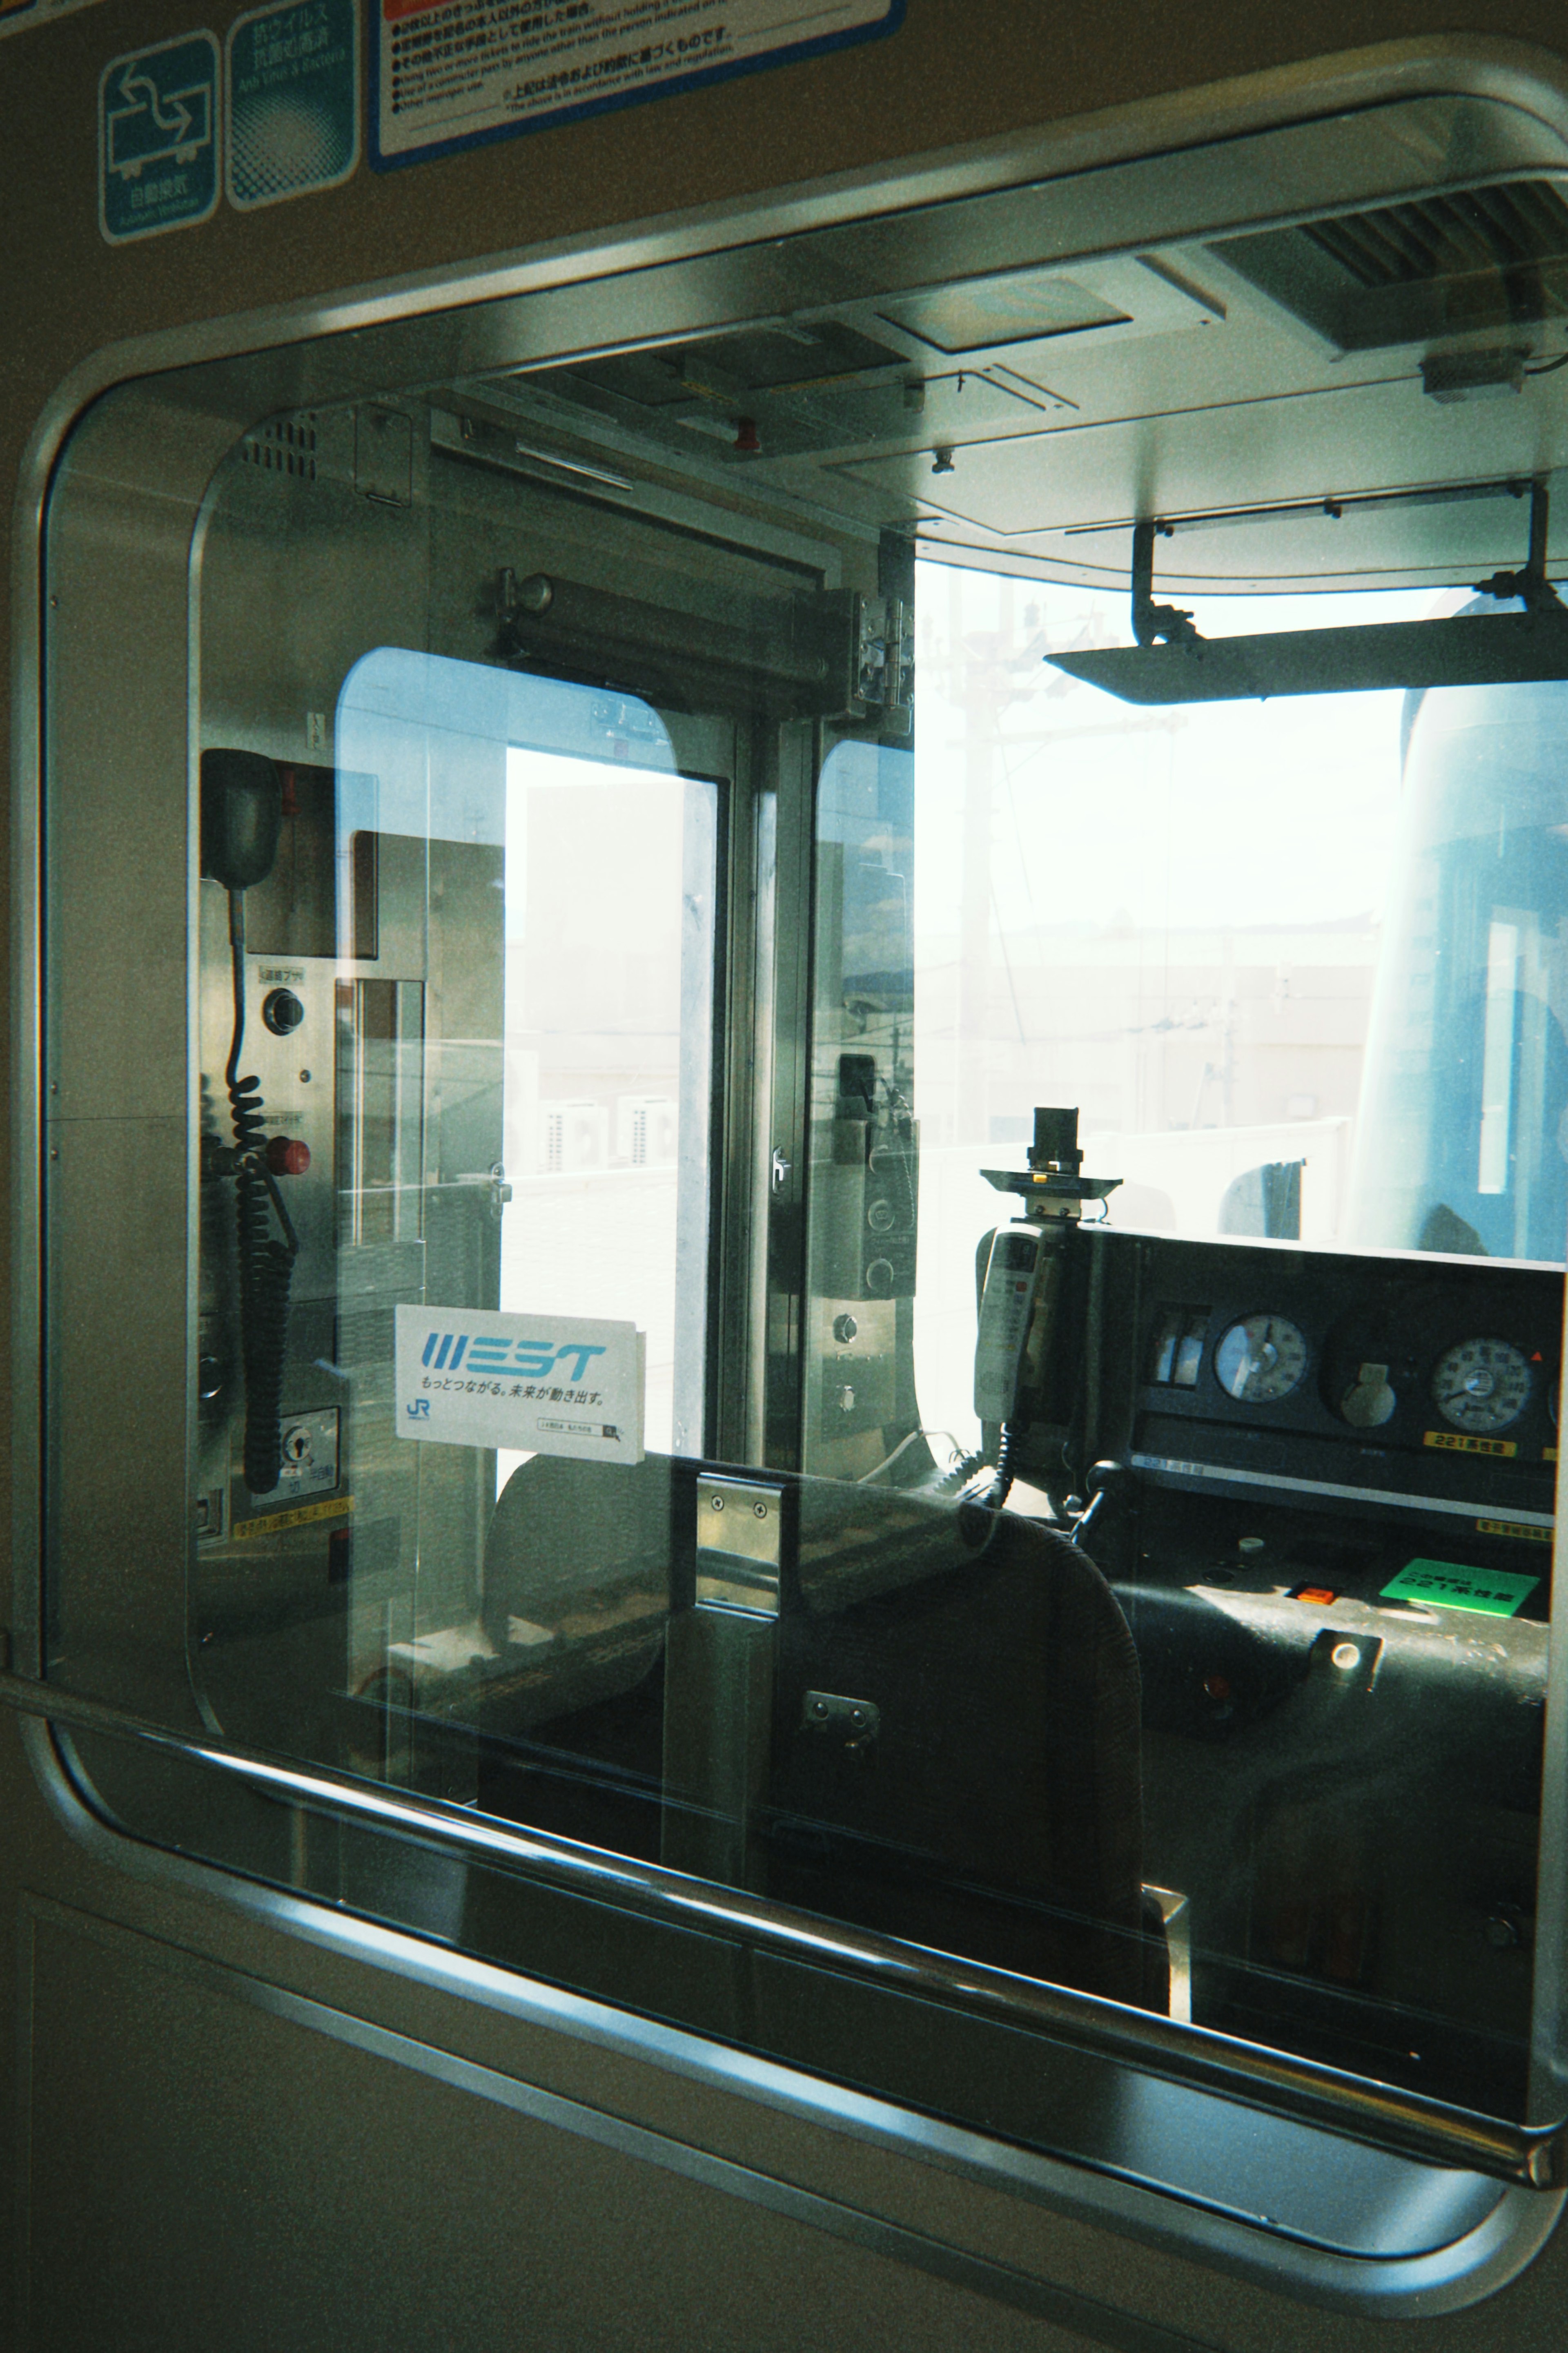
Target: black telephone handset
(1023, 1288)
(1007, 1301)
(241, 819)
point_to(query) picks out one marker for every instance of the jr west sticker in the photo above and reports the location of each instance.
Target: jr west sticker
(570, 1384)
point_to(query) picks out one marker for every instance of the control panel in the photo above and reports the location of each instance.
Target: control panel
(1408, 1393)
(1326, 1486)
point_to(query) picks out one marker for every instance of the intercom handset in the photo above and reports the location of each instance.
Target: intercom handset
(1022, 1325)
(1006, 1315)
(241, 818)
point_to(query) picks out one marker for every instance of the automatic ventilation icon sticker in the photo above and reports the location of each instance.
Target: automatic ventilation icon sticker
(566, 1384)
(158, 139)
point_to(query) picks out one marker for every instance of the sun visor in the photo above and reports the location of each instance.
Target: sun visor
(1469, 650)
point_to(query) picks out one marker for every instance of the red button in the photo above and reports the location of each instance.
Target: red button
(286, 1156)
(1318, 1596)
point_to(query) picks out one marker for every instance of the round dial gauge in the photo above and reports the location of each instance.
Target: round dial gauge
(1261, 1358)
(1482, 1386)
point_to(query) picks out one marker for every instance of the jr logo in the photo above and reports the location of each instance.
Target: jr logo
(419, 1409)
(444, 1350)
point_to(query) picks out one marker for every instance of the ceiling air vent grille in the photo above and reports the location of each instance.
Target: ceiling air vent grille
(1448, 236)
(1483, 260)
(285, 445)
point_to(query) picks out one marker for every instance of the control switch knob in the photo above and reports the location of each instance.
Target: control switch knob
(282, 1011)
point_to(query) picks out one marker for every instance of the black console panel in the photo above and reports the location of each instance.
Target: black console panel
(1330, 1533)
(1405, 1395)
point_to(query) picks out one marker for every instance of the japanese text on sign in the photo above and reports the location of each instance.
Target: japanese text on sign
(452, 71)
(1448, 1584)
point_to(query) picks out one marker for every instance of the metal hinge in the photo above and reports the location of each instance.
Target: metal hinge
(871, 659)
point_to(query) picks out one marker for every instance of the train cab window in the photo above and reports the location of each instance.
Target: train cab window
(468, 1064)
(844, 1241)
(1292, 993)
(1198, 925)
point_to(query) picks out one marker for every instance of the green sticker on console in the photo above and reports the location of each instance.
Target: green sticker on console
(1496, 1592)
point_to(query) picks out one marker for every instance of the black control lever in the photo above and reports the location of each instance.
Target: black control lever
(1107, 1482)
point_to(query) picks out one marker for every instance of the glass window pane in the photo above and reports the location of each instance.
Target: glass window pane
(611, 1023)
(1217, 930)
(470, 1090)
(1228, 1322)
(609, 896)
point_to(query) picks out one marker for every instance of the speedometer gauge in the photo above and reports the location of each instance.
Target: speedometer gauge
(1260, 1359)
(1482, 1386)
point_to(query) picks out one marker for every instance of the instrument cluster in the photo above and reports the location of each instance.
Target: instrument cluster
(1481, 1385)
(1392, 1353)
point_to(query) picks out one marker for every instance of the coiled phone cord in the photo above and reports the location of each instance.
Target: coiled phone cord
(965, 1467)
(980, 1508)
(1001, 1485)
(266, 1264)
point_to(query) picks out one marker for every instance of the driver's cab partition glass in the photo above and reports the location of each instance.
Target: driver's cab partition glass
(860, 1405)
(1115, 1158)
(454, 1175)
(1233, 1037)
(1298, 962)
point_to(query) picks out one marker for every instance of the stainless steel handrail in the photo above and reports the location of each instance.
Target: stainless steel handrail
(1356, 2107)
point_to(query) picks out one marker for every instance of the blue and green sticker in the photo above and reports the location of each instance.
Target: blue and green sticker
(158, 138)
(293, 101)
(1444, 1584)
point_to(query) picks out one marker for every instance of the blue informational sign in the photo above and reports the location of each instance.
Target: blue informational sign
(158, 138)
(293, 101)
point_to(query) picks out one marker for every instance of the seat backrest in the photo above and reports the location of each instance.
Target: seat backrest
(577, 1584)
(997, 1810)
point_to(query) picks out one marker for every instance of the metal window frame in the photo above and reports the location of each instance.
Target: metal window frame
(1385, 2116)
(1448, 2278)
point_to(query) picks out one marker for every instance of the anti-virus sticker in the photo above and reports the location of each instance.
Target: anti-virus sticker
(293, 101)
(568, 1385)
(448, 73)
(158, 139)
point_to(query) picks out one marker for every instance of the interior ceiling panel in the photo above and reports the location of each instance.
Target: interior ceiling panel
(1256, 454)
(1026, 410)
(904, 409)
(997, 312)
(727, 368)
(831, 386)
(1134, 296)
